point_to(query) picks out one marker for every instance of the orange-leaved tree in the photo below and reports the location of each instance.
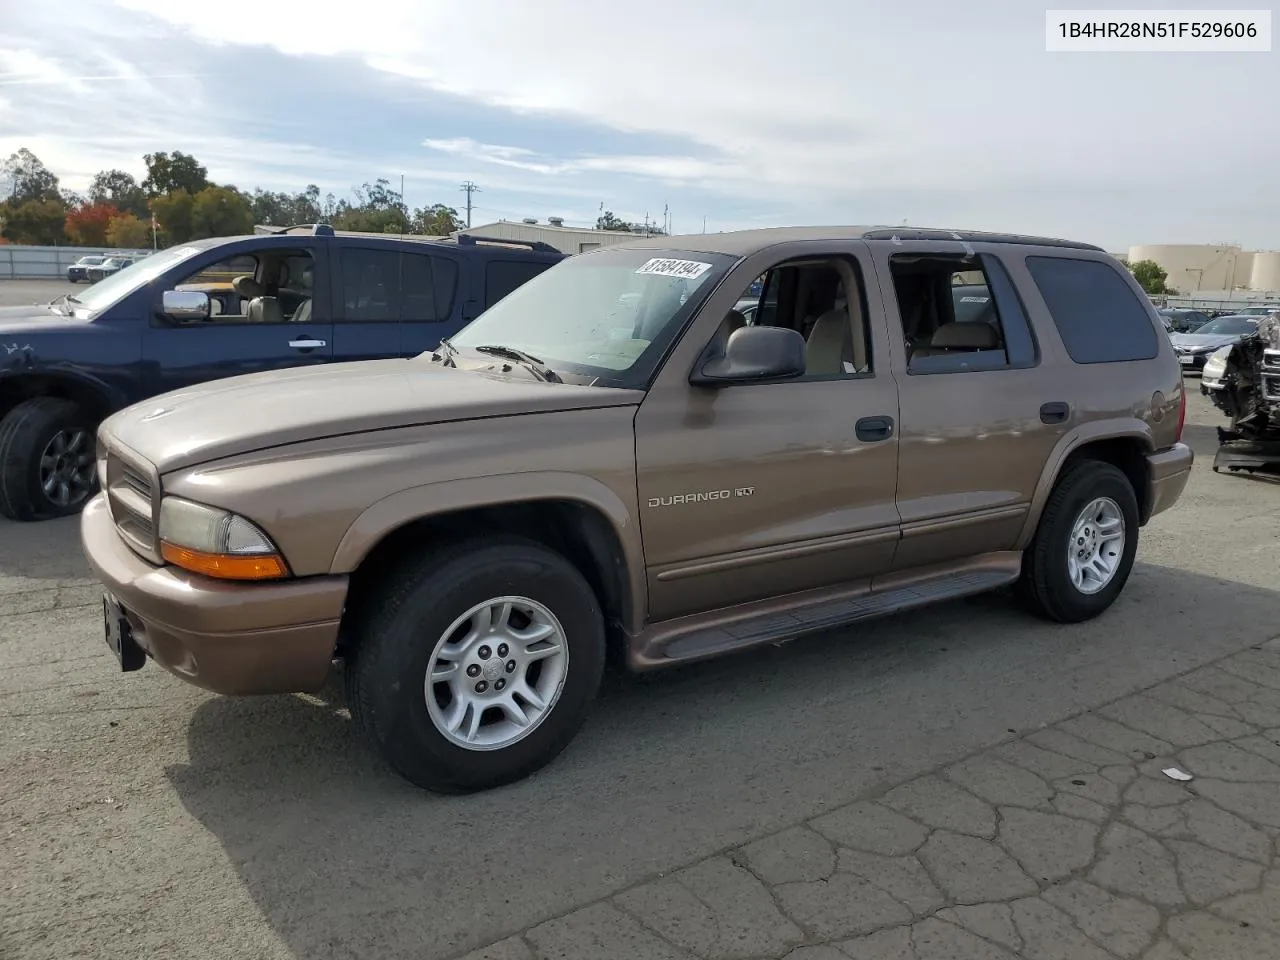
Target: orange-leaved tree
(87, 226)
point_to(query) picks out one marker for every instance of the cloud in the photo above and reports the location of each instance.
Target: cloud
(758, 112)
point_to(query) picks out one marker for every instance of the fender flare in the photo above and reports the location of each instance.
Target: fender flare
(397, 510)
(110, 398)
(1124, 428)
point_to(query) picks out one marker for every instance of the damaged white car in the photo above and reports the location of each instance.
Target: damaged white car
(1243, 381)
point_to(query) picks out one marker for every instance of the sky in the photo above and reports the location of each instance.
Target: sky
(745, 113)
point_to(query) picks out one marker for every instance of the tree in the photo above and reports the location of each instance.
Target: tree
(220, 212)
(38, 222)
(283, 209)
(607, 221)
(378, 209)
(88, 225)
(436, 220)
(1150, 276)
(176, 171)
(128, 232)
(28, 179)
(120, 190)
(173, 215)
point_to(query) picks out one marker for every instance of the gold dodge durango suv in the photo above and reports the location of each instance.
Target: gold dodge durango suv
(613, 458)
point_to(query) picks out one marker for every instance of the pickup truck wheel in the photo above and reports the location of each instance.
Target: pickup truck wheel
(47, 460)
(1084, 547)
(476, 666)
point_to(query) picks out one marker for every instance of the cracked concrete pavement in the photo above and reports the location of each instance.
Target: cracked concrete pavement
(959, 782)
(1070, 842)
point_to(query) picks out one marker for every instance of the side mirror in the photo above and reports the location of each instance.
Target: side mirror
(184, 305)
(752, 354)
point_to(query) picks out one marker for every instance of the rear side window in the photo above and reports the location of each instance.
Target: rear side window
(503, 276)
(1096, 312)
(371, 284)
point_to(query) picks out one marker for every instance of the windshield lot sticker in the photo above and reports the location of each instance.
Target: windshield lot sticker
(664, 267)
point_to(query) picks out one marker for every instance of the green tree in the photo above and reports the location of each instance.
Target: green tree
(378, 209)
(176, 171)
(120, 190)
(607, 221)
(173, 216)
(436, 220)
(1150, 276)
(37, 222)
(220, 212)
(27, 178)
(128, 232)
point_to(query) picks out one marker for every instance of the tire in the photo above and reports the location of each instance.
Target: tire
(25, 437)
(1046, 585)
(396, 633)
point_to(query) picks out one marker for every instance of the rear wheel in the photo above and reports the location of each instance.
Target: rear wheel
(475, 666)
(1084, 547)
(47, 459)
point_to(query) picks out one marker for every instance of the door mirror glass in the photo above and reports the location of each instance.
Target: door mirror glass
(754, 353)
(185, 305)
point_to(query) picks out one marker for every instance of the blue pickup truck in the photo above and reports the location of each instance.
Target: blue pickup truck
(217, 308)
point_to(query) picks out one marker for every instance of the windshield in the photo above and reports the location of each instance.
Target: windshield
(604, 317)
(104, 293)
(1228, 325)
(89, 261)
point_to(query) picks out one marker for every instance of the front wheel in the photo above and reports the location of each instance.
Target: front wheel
(1084, 547)
(475, 666)
(47, 460)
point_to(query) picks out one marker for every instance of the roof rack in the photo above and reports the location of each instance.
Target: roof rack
(314, 229)
(971, 236)
(538, 246)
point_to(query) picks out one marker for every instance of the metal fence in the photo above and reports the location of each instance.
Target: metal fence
(19, 262)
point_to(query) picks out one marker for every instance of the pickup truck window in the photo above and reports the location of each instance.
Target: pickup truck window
(1096, 312)
(607, 316)
(503, 276)
(428, 287)
(270, 286)
(387, 285)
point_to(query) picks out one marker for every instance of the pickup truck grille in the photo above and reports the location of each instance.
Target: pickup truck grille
(131, 496)
(1270, 380)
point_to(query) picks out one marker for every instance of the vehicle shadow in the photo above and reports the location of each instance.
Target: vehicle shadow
(32, 554)
(343, 858)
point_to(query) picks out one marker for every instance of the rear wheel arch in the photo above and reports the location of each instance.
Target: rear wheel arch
(577, 530)
(1124, 446)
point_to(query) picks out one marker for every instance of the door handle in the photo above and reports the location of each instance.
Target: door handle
(306, 344)
(871, 429)
(1055, 412)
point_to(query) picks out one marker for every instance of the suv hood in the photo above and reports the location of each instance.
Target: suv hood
(242, 414)
(31, 318)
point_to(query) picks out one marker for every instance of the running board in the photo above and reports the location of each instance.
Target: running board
(783, 618)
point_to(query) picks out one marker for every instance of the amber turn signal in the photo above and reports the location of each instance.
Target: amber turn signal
(268, 566)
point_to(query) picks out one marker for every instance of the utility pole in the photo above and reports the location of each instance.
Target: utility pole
(404, 206)
(469, 188)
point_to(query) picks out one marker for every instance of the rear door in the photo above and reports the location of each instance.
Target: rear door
(432, 304)
(368, 294)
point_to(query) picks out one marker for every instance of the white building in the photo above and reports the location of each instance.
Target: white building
(1195, 268)
(553, 232)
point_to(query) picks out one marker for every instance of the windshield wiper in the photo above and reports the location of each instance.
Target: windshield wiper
(540, 369)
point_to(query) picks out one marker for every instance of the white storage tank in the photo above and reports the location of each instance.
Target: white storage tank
(1265, 275)
(1193, 266)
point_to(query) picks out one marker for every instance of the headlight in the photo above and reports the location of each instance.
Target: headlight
(1215, 368)
(216, 543)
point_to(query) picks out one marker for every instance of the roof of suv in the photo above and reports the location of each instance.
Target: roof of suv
(742, 242)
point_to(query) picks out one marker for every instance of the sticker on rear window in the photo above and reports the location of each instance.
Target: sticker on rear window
(666, 267)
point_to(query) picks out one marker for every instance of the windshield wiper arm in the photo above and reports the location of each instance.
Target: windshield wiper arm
(540, 369)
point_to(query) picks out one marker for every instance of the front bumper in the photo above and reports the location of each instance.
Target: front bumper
(1167, 475)
(231, 638)
(1193, 362)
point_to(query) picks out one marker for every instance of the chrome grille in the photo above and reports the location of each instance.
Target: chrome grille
(1271, 359)
(1271, 386)
(131, 497)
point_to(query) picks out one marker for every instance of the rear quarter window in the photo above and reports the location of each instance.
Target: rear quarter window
(1098, 316)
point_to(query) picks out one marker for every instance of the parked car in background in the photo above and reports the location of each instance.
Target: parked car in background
(1183, 321)
(78, 272)
(109, 266)
(1193, 348)
(471, 532)
(215, 308)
